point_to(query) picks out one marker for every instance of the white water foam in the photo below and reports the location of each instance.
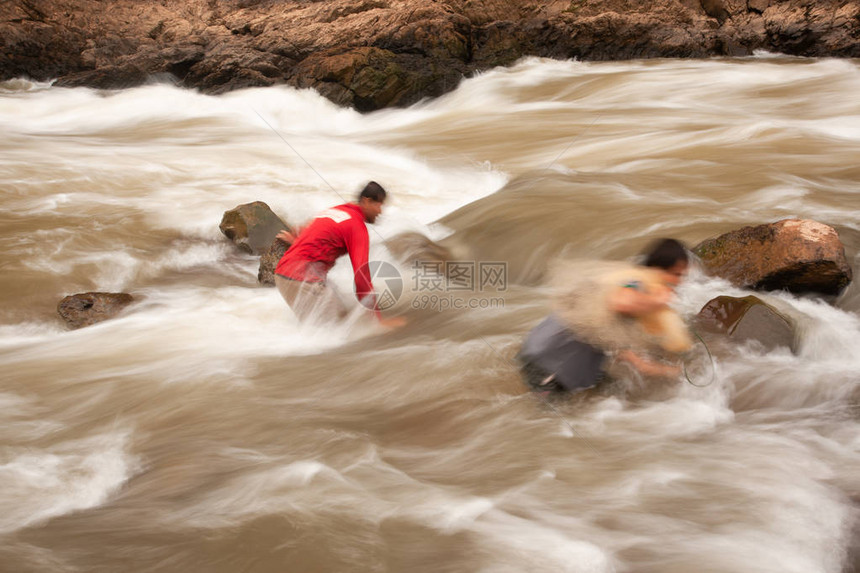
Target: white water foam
(752, 472)
(41, 484)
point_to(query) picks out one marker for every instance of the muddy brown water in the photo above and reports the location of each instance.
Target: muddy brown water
(206, 430)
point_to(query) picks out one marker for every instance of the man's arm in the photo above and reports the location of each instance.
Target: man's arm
(632, 300)
(358, 247)
(649, 367)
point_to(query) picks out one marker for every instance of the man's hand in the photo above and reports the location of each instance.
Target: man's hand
(393, 322)
(649, 367)
(286, 237)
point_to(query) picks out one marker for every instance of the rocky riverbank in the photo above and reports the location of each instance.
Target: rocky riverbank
(371, 54)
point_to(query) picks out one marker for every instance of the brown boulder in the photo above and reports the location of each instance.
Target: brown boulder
(252, 227)
(716, 9)
(758, 5)
(793, 254)
(748, 318)
(106, 77)
(91, 307)
(269, 260)
(377, 53)
(370, 78)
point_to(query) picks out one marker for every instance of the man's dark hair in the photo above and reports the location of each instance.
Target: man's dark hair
(373, 190)
(665, 254)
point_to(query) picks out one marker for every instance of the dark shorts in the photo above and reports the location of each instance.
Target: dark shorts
(550, 348)
(540, 380)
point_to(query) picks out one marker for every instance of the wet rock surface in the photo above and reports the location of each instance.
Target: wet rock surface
(748, 318)
(411, 247)
(371, 54)
(269, 260)
(798, 255)
(252, 227)
(88, 308)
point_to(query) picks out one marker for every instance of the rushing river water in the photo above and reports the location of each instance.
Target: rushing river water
(205, 430)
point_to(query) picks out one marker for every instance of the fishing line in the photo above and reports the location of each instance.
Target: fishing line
(300, 156)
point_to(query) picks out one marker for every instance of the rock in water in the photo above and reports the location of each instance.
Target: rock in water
(252, 227)
(91, 307)
(425, 258)
(748, 318)
(411, 247)
(269, 260)
(793, 254)
(377, 53)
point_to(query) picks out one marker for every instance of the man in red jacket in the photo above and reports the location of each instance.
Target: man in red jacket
(301, 273)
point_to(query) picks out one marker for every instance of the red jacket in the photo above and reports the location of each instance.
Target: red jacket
(333, 233)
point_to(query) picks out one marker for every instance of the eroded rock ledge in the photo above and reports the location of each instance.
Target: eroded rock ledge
(377, 53)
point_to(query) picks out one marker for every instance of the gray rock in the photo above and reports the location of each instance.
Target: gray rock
(749, 318)
(252, 227)
(89, 308)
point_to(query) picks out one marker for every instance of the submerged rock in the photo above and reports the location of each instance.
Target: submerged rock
(425, 260)
(252, 227)
(377, 53)
(89, 308)
(410, 247)
(796, 255)
(749, 318)
(269, 260)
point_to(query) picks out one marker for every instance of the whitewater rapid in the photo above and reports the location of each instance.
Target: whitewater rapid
(205, 429)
